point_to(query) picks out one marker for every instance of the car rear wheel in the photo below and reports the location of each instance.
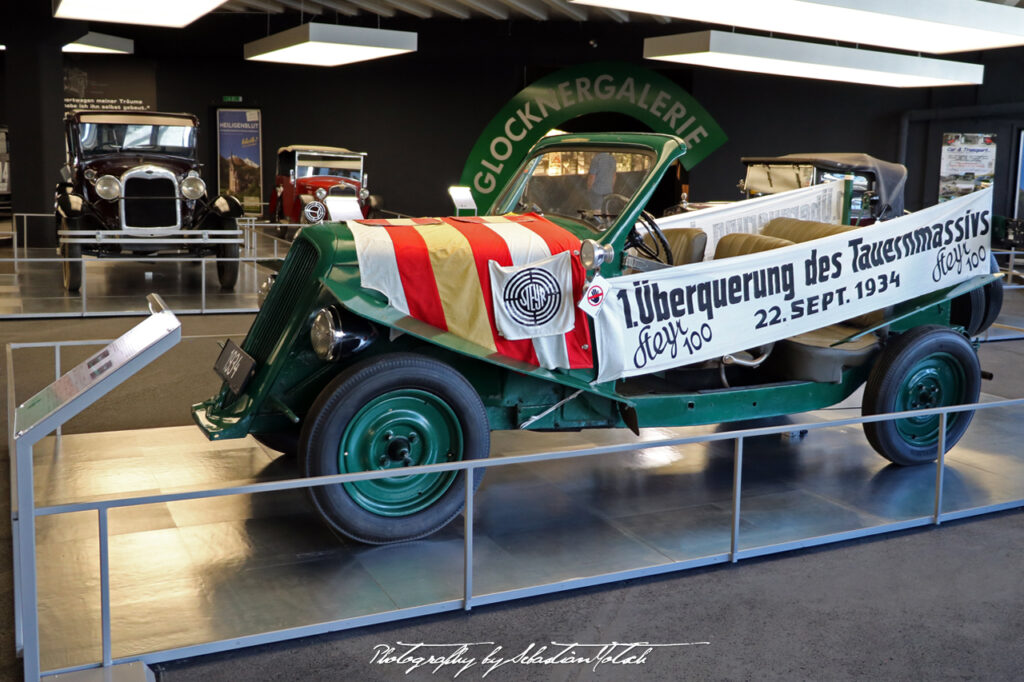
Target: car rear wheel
(391, 413)
(926, 367)
(71, 269)
(993, 297)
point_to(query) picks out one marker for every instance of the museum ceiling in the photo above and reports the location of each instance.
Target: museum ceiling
(537, 10)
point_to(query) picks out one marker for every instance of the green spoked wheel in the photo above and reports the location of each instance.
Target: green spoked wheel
(926, 367)
(394, 431)
(392, 413)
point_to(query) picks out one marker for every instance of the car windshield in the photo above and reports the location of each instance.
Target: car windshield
(106, 138)
(307, 165)
(589, 186)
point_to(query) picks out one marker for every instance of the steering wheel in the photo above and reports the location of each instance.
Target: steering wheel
(612, 204)
(657, 248)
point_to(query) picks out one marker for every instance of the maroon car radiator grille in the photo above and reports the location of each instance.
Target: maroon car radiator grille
(281, 302)
(150, 202)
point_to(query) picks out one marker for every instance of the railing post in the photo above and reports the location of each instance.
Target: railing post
(940, 468)
(105, 586)
(468, 545)
(56, 375)
(85, 287)
(737, 489)
(27, 560)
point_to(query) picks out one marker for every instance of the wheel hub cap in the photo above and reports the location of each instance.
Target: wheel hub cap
(936, 381)
(394, 431)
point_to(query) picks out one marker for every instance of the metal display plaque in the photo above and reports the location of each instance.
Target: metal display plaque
(93, 371)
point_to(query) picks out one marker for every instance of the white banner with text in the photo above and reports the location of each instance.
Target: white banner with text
(821, 203)
(677, 316)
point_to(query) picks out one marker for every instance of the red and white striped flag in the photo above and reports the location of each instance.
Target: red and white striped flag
(436, 270)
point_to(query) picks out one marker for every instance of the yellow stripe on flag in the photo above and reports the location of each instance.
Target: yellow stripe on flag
(458, 284)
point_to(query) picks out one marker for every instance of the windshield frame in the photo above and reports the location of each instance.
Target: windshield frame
(154, 124)
(508, 200)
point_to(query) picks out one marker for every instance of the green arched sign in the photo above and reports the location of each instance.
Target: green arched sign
(590, 88)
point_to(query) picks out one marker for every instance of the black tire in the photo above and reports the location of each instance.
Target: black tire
(71, 270)
(380, 407)
(993, 297)
(285, 232)
(968, 311)
(928, 366)
(227, 263)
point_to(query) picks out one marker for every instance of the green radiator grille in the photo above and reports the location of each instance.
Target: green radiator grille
(281, 302)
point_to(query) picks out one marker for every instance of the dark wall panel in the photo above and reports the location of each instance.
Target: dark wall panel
(418, 115)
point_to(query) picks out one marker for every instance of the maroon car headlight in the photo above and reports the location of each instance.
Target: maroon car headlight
(320, 193)
(193, 187)
(108, 187)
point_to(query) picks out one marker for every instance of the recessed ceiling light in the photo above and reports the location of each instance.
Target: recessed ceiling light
(741, 52)
(936, 26)
(329, 45)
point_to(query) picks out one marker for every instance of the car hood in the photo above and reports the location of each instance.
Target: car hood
(118, 164)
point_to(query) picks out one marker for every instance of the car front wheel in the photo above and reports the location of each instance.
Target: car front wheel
(926, 367)
(71, 269)
(388, 414)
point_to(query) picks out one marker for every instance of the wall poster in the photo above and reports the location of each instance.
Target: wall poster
(968, 163)
(240, 157)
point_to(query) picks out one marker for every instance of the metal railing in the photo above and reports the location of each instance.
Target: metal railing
(469, 600)
(255, 241)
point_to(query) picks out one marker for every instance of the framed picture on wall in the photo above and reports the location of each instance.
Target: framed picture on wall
(240, 157)
(967, 163)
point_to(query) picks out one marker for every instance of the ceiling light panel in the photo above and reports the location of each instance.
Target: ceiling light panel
(172, 13)
(758, 54)
(101, 43)
(935, 26)
(329, 45)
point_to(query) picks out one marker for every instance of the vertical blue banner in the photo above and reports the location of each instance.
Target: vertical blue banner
(240, 157)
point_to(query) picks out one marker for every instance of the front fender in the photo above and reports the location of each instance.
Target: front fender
(70, 205)
(226, 206)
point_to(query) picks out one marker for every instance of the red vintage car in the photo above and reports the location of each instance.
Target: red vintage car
(315, 184)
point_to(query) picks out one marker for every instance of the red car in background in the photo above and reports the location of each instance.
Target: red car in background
(315, 184)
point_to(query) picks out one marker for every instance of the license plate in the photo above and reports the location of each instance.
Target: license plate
(235, 366)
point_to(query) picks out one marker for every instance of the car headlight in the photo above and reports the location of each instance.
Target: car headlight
(327, 334)
(264, 290)
(320, 193)
(331, 342)
(108, 187)
(364, 194)
(594, 255)
(193, 187)
(89, 174)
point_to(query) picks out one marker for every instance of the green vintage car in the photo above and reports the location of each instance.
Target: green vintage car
(383, 345)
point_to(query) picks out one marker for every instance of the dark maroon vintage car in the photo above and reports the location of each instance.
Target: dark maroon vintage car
(316, 183)
(131, 186)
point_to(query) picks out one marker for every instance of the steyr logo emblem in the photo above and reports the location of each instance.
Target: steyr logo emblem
(532, 297)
